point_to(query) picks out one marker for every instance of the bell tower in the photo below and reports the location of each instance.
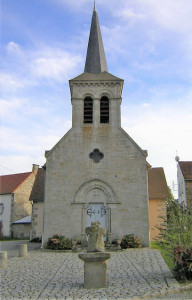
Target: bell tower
(96, 94)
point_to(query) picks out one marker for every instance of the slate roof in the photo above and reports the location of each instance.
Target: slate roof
(186, 169)
(37, 193)
(9, 183)
(95, 60)
(157, 184)
(25, 220)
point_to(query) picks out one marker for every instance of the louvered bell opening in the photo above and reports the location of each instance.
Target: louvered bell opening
(104, 110)
(88, 110)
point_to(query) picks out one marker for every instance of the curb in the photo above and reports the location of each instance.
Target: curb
(176, 290)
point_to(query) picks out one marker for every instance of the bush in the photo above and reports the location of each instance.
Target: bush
(130, 241)
(183, 262)
(59, 242)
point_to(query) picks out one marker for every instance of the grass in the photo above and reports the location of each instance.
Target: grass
(165, 252)
(2, 239)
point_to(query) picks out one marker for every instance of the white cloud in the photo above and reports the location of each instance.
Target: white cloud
(9, 81)
(9, 106)
(162, 129)
(12, 164)
(129, 13)
(54, 64)
(172, 14)
(13, 48)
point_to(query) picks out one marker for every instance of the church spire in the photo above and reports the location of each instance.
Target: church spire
(95, 60)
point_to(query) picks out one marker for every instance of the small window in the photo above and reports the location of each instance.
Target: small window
(88, 110)
(104, 110)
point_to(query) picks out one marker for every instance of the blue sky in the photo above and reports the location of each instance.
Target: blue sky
(147, 43)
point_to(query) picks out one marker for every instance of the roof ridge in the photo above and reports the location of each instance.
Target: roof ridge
(15, 174)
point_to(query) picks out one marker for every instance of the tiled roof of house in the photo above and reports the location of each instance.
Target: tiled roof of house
(186, 169)
(157, 184)
(8, 183)
(37, 193)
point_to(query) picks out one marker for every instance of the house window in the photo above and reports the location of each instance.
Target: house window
(104, 110)
(1, 208)
(88, 110)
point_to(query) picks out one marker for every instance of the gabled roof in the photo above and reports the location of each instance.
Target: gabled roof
(157, 184)
(9, 183)
(37, 193)
(186, 169)
(95, 60)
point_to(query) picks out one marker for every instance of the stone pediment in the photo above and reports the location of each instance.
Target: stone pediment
(80, 197)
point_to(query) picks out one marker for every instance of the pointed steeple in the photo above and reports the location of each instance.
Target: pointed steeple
(95, 60)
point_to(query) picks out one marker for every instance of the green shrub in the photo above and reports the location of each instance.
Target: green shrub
(59, 242)
(130, 241)
(176, 230)
(183, 262)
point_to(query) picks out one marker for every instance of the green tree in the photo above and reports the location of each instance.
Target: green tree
(178, 227)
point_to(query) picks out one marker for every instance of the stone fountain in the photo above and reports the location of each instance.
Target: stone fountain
(95, 260)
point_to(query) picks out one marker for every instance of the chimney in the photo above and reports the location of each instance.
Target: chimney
(35, 168)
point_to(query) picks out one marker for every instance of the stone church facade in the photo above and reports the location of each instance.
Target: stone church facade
(96, 172)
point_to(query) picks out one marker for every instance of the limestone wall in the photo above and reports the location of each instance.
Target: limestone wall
(122, 170)
(22, 206)
(37, 221)
(21, 231)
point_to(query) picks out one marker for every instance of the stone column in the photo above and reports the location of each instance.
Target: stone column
(3, 259)
(23, 250)
(96, 111)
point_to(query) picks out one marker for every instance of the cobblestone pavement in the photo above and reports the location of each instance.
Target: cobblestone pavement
(46, 275)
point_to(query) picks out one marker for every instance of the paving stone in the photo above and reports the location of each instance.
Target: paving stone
(46, 275)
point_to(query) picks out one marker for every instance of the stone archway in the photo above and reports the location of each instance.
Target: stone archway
(95, 198)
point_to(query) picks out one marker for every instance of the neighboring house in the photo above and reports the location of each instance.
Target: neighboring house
(184, 179)
(22, 228)
(158, 194)
(96, 172)
(37, 199)
(15, 190)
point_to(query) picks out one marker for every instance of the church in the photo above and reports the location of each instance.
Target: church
(96, 172)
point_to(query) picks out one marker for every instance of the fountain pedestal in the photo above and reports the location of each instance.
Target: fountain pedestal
(95, 269)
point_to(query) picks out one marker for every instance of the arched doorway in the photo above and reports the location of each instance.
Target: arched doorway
(96, 199)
